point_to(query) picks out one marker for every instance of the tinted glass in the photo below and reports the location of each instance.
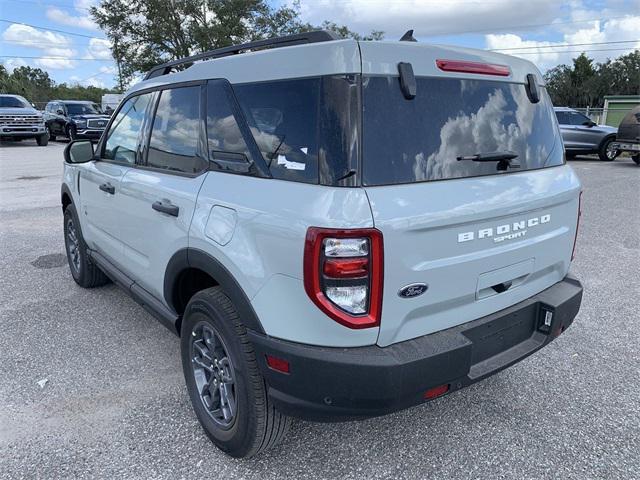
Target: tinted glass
(417, 140)
(81, 109)
(122, 139)
(576, 118)
(176, 129)
(283, 118)
(563, 118)
(225, 141)
(13, 102)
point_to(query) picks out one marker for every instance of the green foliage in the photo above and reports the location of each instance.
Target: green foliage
(36, 86)
(585, 84)
(145, 33)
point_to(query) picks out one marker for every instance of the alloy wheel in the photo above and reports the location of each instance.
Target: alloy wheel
(73, 245)
(212, 369)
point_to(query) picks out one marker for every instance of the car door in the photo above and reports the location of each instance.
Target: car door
(582, 134)
(100, 179)
(158, 196)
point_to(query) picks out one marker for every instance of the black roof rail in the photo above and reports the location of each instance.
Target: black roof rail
(286, 41)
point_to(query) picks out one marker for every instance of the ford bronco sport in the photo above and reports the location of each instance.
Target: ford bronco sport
(335, 229)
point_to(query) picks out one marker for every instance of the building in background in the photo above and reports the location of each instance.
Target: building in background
(617, 106)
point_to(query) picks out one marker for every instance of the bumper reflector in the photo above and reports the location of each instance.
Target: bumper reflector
(436, 391)
(277, 364)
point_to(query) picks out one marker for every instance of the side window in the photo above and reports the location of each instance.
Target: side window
(283, 117)
(176, 129)
(562, 118)
(227, 148)
(577, 118)
(122, 138)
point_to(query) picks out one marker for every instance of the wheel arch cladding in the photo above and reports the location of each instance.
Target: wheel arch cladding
(192, 260)
(65, 197)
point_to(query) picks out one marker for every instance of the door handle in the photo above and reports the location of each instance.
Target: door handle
(107, 187)
(167, 208)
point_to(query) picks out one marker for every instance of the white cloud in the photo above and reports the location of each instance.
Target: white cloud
(428, 17)
(50, 44)
(82, 19)
(12, 63)
(93, 82)
(99, 48)
(110, 70)
(613, 30)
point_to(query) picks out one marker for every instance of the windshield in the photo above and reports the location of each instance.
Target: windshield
(13, 102)
(82, 109)
(450, 127)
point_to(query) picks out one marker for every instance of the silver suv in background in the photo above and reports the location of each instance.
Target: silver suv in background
(582, 136)
(19, 120)
(324, 248)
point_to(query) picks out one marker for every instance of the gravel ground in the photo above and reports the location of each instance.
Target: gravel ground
(115, 404)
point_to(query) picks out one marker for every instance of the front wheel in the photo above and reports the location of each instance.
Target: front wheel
(52, 137)
(42, 140)
(607, 152)
(636, 158)
(72, 133)
(83, 270)
(227, 391)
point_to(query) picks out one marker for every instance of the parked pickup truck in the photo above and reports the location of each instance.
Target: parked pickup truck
(19, 120)
(629, 135)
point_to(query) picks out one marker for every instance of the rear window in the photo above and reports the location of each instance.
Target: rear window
(416, 140)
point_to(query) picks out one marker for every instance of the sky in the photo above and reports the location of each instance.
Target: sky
(60, 37)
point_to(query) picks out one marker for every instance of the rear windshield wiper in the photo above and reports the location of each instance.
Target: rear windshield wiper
(503, 158)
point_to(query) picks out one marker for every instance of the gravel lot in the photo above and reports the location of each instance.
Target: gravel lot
(115, 404)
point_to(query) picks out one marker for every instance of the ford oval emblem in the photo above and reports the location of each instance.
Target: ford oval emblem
(413, 290)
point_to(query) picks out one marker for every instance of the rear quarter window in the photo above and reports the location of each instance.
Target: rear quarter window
(416, 140)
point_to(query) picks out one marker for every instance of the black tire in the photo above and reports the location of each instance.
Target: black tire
(43, 140)
(605, 153)
(636, 158)
(570, 156)
(255, 425)
(52, 137)
(71, 132)
(84, 272)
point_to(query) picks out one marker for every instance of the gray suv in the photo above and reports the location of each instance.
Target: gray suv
(322, 247)
(582, 136)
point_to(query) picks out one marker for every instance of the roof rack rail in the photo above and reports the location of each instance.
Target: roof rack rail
(286, 41)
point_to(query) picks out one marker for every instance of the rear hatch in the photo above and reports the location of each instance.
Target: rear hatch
(629, 129)
(481, 235)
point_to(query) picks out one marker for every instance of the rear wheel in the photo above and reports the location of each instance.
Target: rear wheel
(84, 272)
(607, 152)
(227, 391)
(636, 158)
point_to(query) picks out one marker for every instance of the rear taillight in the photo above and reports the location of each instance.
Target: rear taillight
(343, 274)
(480, 68)
(575, 239)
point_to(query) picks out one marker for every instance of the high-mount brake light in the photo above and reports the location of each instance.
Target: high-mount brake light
(575, 239)
(343, 274)
(464, 66)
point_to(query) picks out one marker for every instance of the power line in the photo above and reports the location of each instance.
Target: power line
(515, 27)
(562, 45)
(574, 51)
(59, 58)
(51, 29)
(48, 3)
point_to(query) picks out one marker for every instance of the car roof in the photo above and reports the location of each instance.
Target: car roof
(564, 109)
(71, 101)
(340, 57)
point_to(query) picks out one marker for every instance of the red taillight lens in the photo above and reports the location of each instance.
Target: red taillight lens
(346, 268)
(343, 274)
(575, 239)
(480, 68)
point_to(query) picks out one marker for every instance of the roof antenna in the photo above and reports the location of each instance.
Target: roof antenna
(408, 36)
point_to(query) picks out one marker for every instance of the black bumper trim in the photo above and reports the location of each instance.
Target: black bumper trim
(337, 384)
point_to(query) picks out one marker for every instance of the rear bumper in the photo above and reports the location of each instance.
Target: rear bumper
(627, 146)
(335, 384)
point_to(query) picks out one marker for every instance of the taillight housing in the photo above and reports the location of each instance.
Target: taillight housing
(343, 274)
(575, 239)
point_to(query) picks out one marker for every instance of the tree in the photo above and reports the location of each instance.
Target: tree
(145, 33)
(584, 84)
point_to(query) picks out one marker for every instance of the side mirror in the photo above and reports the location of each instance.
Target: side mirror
(60, 111)
(589, 124)
(78, 151)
